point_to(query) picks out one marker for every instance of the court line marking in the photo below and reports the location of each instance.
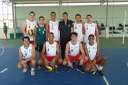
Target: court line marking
(104, 78)
(2, 50)
(4, 70)
(127, 64)
(106, 81)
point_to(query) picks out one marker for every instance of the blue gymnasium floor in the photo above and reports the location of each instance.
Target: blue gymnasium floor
(116, 71)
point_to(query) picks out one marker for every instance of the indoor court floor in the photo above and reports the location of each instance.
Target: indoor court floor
(116, 70)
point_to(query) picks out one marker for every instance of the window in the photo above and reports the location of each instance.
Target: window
(6, 13)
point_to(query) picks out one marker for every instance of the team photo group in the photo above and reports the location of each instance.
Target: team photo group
(60, 43)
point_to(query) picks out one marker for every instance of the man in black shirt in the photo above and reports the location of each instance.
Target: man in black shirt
(65, 27)
(5, 29)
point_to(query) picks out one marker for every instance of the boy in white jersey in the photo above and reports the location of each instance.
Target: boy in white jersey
(74, 52)
(78, 27)
(27, 55)
(30, 24)
(51, 53)
(52, 26)
(27, 25)
(93, 59)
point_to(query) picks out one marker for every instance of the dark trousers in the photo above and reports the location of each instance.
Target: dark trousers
(63, 42)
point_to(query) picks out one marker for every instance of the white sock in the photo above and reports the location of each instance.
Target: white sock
(99, 67)
(32, 69)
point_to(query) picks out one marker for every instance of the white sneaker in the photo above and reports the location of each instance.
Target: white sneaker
(32, 72)
(24, 70)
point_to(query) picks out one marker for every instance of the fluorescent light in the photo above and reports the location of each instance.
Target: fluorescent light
(57, 4)
(116, 3)
(79, 4)
(27, 5)
(72, 4)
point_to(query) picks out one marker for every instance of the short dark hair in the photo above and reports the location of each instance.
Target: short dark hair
(53, 12)
(65, 13)
(32, 12)
(26, 37)
(89, 15)
(91, 35)
(41, 17)
(51, 33)
(74, 33)
(78, 15)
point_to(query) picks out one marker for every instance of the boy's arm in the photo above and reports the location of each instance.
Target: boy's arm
(24, 27)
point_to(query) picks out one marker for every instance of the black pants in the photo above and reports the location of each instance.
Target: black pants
(63, 42)
(39, 48)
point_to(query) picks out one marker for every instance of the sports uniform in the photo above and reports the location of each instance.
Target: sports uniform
(89, 29)
(40, 37)
(51, 50)
(74, 52)
(26, 52)
(92, 50)
(31, 26)
(53, 27)
(78, 28)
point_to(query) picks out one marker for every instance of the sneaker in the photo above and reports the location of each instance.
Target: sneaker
(24, 70)
(69, 68)
(100, 73)
(32, 72)
(75, 64)
(39, 67)
(55, 66)
(45, 69)
(56, 69)
(93, 72)
(80, 69)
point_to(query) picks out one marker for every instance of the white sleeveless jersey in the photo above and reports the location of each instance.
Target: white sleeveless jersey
(74, 49)
(31, 25)
(78, 29)
(51, 49)
(92, 50)
(89, 29)
(27, 53)
(53, 27)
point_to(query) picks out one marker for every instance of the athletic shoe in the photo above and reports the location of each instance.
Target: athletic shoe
(45, 69)
(80, 69)
(75, 64)
(93, 72)
(32, 72)
(100, 73)
(39, 67)
(24, 70)
(69, 68)
(56, 69)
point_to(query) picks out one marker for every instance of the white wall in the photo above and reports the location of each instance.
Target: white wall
(115, 15)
